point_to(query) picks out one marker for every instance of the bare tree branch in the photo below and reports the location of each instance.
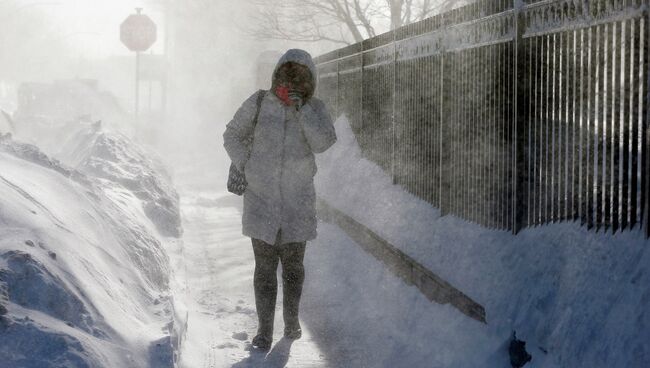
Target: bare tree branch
(408, 8)
(339, 21)
(362, 15)
(396, 10)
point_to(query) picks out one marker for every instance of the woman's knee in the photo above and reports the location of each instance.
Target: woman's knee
(293, 272)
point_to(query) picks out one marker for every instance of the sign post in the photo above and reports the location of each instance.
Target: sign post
(137, 85)
(138, 33)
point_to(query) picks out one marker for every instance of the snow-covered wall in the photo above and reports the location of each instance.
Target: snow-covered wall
(84, 276)
(579, 298)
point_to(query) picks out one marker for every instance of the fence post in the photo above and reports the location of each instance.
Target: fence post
(645, 116)
(362, 130)
(520, 144)
(444, 125)
(392, 127)
(338, 85)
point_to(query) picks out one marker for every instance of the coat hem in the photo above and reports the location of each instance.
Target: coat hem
(252, 234)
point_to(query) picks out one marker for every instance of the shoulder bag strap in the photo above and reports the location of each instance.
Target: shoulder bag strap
(260, 96)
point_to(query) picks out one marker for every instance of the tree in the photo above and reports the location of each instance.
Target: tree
(339, 21)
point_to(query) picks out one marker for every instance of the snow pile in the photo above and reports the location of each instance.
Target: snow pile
(579, 298)
(100, 151)
(120, 161)
(84, 279)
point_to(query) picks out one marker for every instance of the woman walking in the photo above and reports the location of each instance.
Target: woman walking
(287, 125)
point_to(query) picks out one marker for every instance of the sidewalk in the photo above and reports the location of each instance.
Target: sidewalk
(219, 271)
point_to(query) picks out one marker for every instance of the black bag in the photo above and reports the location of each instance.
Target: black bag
(236, 179)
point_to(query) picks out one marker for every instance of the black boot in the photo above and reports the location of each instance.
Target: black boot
(262, 342)
(292, 332)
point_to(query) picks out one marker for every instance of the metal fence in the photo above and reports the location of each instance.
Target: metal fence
(508, 115)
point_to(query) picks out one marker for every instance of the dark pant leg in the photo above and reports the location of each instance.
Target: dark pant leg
(265, 284)
(293, 275)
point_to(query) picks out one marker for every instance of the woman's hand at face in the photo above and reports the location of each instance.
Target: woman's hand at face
(297, 97)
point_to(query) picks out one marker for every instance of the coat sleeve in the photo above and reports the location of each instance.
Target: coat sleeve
(317, 126)
(238, 136)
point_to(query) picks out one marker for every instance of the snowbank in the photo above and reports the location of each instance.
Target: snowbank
(122, 162)
(579, 298)
(84, 278)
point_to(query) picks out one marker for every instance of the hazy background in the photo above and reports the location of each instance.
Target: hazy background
(209, 53)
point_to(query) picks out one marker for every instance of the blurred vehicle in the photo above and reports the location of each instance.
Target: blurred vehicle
(46, 110)
(6, 123)
(63, 100)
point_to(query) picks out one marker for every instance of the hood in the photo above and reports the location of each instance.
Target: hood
(298, 56)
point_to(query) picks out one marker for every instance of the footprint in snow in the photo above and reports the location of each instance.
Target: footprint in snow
(241, 336)
(227, 345)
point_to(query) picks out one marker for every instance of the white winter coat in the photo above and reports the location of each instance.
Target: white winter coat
(280, 167)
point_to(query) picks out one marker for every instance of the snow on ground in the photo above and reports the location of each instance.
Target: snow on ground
(86, 279)
(219, 296)
(361, 315)
(578, 298)
(84, 276)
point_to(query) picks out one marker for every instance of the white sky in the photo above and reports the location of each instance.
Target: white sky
(92, 26)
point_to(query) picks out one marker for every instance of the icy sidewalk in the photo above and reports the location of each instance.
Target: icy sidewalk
(219, 268)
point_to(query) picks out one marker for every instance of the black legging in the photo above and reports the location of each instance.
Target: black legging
(266, 285)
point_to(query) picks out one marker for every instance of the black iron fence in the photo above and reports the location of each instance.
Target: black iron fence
(508, 114)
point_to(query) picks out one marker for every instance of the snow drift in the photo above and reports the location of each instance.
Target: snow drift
(120, 161)
(579, 298)
(84, 276)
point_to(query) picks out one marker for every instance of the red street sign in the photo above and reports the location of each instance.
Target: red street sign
(138, 32)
